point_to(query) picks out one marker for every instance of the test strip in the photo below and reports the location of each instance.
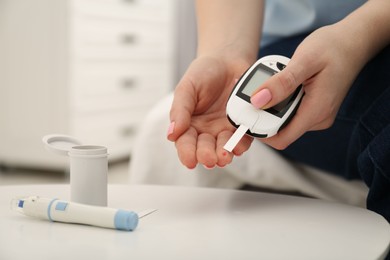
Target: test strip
(235, 138)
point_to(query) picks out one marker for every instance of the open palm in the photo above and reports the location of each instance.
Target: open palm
(198, 113)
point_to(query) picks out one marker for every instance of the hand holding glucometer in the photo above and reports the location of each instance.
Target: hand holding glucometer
(258, 122)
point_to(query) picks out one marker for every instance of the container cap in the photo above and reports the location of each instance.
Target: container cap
(60, 144)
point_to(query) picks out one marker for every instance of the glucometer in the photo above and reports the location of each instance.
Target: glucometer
(258, 122)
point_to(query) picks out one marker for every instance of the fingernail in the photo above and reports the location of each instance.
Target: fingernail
(171, 128)
(261, 98)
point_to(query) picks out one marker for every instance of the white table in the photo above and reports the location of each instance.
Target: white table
(198, 223)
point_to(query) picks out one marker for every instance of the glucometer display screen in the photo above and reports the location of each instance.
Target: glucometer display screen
(254, 80)
(258, 77)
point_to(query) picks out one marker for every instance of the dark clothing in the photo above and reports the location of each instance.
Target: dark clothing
(357, 146)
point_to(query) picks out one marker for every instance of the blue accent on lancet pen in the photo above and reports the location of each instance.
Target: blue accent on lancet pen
(70, 212)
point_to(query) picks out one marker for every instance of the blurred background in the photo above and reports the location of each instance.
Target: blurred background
(91, 69)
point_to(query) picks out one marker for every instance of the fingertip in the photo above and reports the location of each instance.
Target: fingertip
(171, 130)
(243, 145)
(277, 88)
(176, 128)
(186, 148)
(188, 161)
(261, 98)
(191, 166)
(180, 115)
(224, 158)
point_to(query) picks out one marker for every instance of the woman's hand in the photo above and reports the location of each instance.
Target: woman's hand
(326, 63)
(228, 38)
(326, 66)
(199, 126)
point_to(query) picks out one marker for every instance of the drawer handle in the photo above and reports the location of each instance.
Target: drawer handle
(129, 1)
(128, 39)
(128, 83)
(128, 131)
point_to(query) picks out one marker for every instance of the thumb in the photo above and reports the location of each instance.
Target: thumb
(182, 108)
(281, 85)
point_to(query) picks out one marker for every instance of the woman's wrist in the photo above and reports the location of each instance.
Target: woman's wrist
(238, 50)
(229, 29)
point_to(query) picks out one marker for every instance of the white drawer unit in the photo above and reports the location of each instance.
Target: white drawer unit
(87, 68)
(102, 86)
(140, 10)
(121, 39)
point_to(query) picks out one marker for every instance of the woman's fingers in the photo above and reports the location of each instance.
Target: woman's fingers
(206, 153)
(186, 146)
(182, 108)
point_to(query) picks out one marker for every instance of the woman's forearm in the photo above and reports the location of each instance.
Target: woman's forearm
(367, 30)
(232, 26)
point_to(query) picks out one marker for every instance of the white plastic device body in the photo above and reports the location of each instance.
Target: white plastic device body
(258, 122)
(70, 212)
(261, 123)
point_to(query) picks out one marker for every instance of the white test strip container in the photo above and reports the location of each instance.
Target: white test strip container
(88, 168)
(88, 174)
